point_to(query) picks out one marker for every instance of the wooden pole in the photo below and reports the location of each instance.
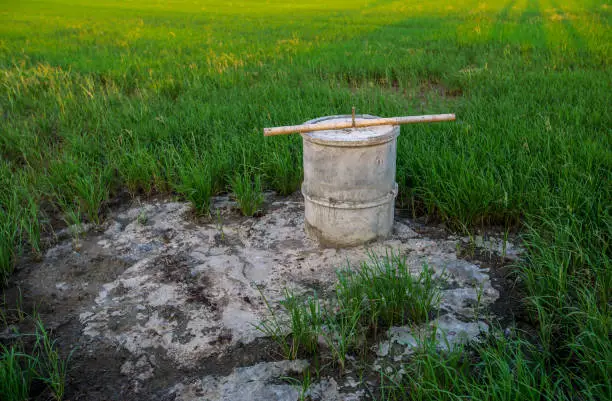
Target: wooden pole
(370, 122)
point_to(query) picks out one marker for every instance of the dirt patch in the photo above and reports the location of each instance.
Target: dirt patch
(59, 292)
(509, 310)
(165, 307)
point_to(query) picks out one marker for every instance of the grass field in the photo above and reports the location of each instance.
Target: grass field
(171, 96)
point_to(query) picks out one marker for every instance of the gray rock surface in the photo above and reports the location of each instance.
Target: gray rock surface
(257, 383)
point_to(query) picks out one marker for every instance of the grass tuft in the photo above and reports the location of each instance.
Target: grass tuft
(386, 292)
(381, 294)
(16, 373)
(305, 322)
(24, 366)
(196, 185)
(248, 191)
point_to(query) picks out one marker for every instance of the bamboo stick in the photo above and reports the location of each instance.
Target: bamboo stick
(291, 129)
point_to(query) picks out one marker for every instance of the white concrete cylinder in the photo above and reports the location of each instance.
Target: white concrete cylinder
(349, 182)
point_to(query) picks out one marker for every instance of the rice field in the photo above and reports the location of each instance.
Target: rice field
(170, 98)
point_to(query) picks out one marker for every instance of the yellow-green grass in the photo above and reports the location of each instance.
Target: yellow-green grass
(171, 97)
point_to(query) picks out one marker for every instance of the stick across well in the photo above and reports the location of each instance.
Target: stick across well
(293, 129)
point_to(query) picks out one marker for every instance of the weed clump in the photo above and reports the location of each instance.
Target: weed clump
(196, 185)
(386, 292)
(380, 294)
(248, 192)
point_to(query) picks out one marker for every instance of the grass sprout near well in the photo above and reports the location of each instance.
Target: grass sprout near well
(344, 334)
(380, 294)
(298, 327)
(305, 321)
(386, 291)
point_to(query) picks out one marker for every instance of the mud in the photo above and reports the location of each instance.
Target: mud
(158, 305)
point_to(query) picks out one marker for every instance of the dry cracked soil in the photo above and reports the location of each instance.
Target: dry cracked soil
(158, 305)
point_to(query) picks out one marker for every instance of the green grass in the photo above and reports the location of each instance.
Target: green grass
(247, 189)
(171, 97)
(306, 322)
(23, 364)
(386, 292)
(16, 371)
(499, 369)
(377, 295)
(299, 330)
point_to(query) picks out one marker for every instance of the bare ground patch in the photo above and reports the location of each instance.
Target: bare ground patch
(165, 307)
